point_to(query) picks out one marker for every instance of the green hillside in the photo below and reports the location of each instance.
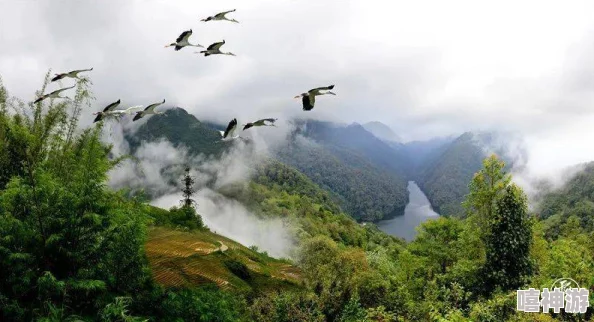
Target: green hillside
(574, 200)
(180, 128)
(195, 258)
(444, 178)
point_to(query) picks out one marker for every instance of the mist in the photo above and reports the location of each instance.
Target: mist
(157, 167)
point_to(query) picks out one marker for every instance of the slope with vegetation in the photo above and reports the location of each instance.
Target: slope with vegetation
(72, 249)
(444, 178)
(574, 201)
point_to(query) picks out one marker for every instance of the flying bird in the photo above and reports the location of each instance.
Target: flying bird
(54, 94)
(221, 16)
(102, 114)
(214, 49)
(309, 99)
(262, 122)
(148, 110)
(128, 111)
(182, 41)
(72, 74)
(229, 132)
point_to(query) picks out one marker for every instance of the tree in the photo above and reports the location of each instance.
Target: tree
(485, 187)
(188, 190)
(508, 242)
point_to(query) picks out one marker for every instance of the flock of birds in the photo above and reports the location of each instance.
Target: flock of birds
(308, 98)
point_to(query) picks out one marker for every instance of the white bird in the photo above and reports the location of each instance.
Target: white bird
(229, 133)
(183, 41)
(214, 49)
(72, 74)
(309, 99)
(262, 122)
(128, 111)
(148, 111)
(221, 16)
(106, 110)
(54, 94)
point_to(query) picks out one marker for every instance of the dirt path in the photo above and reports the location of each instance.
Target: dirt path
(223, 247)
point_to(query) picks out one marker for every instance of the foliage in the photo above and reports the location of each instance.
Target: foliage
(444, 178)
(508, 242)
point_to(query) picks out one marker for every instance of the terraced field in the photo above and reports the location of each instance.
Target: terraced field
(185, 259)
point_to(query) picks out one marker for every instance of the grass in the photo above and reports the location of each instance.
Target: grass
(195, 258)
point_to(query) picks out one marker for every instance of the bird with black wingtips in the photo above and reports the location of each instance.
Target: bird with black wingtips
(220, 16)
(71, 74)
(102, 114)
(308, 99)
(149, 110)
(54, 94)
(214, 49)
(183, 41)
(262, 122)
(229, 133)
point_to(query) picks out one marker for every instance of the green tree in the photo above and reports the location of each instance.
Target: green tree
(508, 242)
(485, 187)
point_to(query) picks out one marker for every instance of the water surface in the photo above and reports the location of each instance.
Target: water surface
(417, 211)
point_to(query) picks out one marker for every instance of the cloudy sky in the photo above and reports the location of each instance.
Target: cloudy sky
(425, 68)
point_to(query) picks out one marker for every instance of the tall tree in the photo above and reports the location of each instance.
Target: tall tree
(485, 187)
(188, 190)
(508, 241)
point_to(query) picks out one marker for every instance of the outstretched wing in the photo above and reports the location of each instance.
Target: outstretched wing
(75, 72)
(316, 90)
(98, 118)
(184, 36)
(221, 15)
(230, 128)
(271, 120)
(40, 98)
(138, 116)
(308, 102)
(216, 45)
(58, 77)
(111, 106)
(152, 107)
(58, 91)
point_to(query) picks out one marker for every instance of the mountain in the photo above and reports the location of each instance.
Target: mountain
(381, 131)
(180, 128)
(363, 174)
(367, 175)
(574, 198)
(355, 139)
(418, 152)
(444, 176)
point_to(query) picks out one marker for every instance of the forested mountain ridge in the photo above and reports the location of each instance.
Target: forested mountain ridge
(364, 175)
(179, 127)
(575, 199)
(72, 249)
(444, 178)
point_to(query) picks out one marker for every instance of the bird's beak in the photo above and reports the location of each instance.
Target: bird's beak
(166, 46)
(297, 96)
(331, 93)
(202, 19)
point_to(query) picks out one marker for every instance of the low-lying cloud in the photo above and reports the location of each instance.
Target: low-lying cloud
(157, 167)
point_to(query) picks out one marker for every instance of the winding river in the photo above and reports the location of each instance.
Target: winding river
(417, 211)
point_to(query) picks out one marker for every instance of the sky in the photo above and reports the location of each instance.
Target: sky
(425, 68)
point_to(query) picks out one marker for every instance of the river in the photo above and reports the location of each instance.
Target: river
(417, 211)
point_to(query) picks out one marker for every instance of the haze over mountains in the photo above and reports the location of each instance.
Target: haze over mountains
(364, 174)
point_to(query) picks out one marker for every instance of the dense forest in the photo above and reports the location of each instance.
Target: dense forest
(72, 249)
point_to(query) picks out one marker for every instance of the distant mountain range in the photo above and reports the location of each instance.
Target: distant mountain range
(363, 167)
(381, 131)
